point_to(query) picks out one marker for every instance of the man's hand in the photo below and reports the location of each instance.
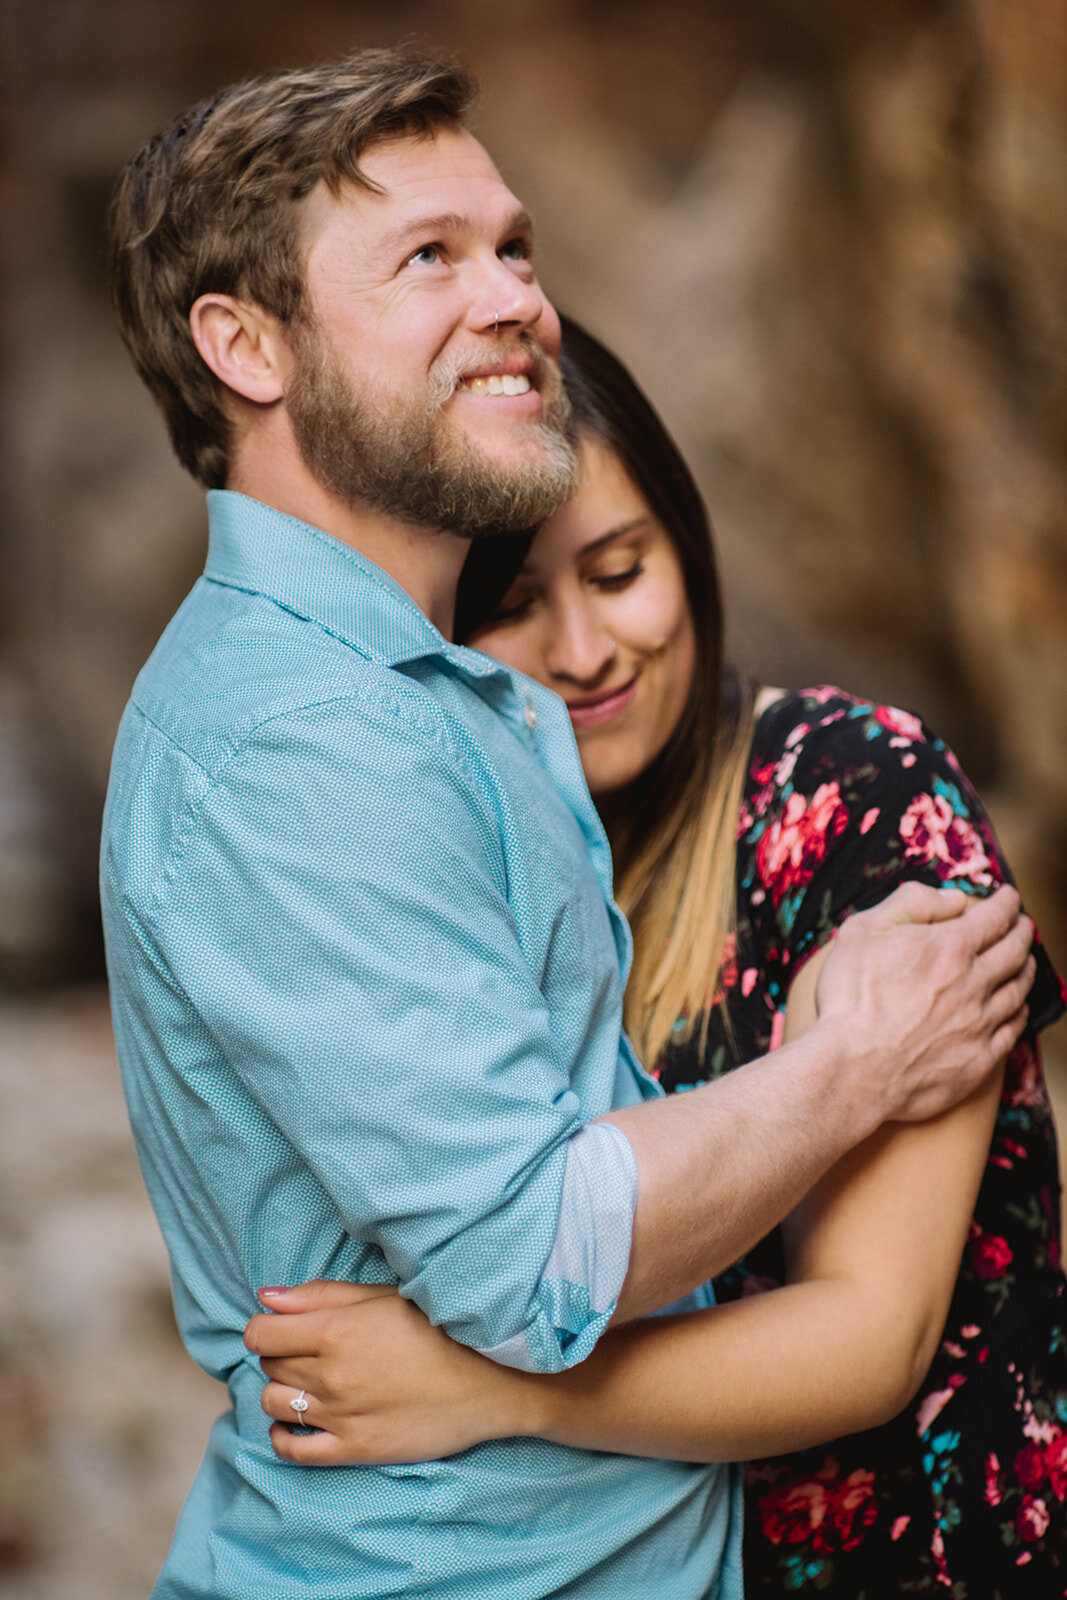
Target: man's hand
(918, 1000)
(933, 984)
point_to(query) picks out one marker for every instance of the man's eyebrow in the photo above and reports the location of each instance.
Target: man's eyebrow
(442, 222)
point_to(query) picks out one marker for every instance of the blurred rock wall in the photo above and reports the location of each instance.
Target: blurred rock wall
(829, 238)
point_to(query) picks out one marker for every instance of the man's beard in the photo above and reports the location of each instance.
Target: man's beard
(411, 460)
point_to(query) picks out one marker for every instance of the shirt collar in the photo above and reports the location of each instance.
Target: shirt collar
(263, 551)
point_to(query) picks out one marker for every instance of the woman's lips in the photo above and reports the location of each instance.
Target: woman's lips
(598, 708)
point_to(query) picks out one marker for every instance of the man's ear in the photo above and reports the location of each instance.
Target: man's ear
(243, 345)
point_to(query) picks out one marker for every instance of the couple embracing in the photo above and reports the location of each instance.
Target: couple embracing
(368, 969)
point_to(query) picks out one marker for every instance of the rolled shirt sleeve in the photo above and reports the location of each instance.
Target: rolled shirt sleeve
(348, 942)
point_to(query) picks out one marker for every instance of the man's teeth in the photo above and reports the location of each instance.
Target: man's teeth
(505, 383)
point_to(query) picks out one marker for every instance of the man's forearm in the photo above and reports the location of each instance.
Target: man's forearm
(719, 1166)
(914, 1016)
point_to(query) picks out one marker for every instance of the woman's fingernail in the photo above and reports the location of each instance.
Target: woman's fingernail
(275, 1288)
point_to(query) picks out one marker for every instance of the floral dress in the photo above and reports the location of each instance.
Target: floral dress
(964, 1495)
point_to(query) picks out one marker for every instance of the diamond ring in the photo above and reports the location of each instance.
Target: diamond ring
(299, 1405)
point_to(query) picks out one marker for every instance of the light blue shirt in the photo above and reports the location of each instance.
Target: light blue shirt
(366, 976)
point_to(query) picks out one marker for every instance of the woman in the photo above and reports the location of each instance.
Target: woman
(743, 837)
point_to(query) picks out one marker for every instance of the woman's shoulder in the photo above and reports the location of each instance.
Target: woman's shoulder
(824, 739)
(845, 797)
(828, 718)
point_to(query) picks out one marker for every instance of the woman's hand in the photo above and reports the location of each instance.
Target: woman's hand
(381, 1383)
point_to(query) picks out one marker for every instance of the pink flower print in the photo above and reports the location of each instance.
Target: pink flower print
(728, 968)
(932, 1405)
(899, 1528)
(1056, 1465)
(1032, 1522)
(932, 832)
(1024, 1086)
(853, 1509)
(990, 1255)
(1030, 1466)
(777, 1030)
(793, 1513)
(748, 981)
(831, 1516)
(794, 845)
(870, 818)
(992, 1479)
(937, 1550)
(785, 768)
(899, 722)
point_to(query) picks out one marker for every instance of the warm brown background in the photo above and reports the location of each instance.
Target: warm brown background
(830, 238)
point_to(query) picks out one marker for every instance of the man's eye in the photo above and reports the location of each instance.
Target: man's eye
(516, 250)
(426, 256)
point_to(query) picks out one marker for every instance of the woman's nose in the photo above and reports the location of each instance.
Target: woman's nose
(580, 650)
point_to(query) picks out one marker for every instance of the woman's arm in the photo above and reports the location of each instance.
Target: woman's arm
(873, 1255)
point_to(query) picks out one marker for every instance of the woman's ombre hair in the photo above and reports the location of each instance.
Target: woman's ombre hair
(675, 844)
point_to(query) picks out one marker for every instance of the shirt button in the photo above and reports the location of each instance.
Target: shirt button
(530, 714)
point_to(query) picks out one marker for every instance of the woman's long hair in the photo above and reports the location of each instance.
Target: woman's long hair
(676, 849)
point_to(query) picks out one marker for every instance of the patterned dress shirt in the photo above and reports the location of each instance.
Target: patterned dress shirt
(366, 976)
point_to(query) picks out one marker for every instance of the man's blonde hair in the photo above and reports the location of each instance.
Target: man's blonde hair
(209, 206)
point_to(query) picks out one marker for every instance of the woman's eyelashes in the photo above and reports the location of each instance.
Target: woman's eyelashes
(510, 611)
(613, 582)
(519, 608)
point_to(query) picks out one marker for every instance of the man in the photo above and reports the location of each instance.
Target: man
(365, 964)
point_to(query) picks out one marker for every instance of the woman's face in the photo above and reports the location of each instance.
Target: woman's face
(599, 614)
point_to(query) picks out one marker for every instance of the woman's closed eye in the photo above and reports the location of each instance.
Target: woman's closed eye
(511, 611)
(613, 582)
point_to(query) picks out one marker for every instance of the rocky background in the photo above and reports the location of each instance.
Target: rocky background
(830, 240)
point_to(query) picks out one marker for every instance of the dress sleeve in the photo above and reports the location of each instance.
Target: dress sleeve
(364, 980)
(858, 799)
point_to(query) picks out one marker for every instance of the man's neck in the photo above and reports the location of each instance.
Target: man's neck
(423, 561)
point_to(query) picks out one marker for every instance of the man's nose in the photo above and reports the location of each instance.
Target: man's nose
(507, 301)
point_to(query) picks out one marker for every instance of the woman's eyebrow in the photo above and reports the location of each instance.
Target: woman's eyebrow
(528, 570)
(616, 533)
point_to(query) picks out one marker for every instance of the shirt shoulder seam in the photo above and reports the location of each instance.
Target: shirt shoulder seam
(437, 734)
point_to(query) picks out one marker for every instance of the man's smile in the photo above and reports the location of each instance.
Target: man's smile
(497, 383)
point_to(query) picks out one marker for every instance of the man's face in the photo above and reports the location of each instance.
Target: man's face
(426, 385)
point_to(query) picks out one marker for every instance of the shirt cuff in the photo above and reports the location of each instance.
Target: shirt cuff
(590, 1254)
